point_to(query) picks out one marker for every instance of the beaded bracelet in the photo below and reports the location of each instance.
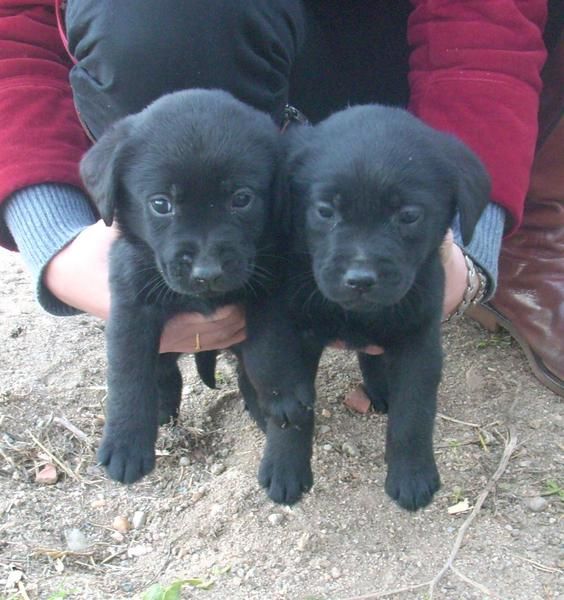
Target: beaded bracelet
(475, 291)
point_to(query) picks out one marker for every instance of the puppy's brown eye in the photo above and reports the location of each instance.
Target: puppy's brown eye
(242, 198)
(409, 215)
(325, 211)
(161, 205)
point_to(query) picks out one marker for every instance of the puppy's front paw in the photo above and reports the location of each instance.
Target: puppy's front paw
(412, 485)
(284, 478)
(126, 458)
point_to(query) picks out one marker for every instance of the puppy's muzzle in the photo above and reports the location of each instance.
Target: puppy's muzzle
(363, 285)
(360, 281)
(205, 275)
(206, 278)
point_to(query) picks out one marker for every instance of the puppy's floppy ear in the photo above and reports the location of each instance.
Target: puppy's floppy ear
(101, 168)
(473, 188)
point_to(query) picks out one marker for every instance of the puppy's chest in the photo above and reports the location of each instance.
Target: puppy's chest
(355, 330)
(327, 322)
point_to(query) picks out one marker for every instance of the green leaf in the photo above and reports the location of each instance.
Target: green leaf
(199, 583)
(173, 591)
(155, 592)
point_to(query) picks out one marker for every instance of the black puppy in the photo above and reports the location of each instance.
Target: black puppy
(190, 181)
(373, 191)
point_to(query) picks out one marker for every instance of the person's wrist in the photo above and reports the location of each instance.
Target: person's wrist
(78, 274)
(466, 284)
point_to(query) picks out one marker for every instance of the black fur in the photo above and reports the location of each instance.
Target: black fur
(214, 162)
(373, 191)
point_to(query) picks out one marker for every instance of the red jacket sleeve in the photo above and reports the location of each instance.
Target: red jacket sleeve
(41, 138)
(475, 72)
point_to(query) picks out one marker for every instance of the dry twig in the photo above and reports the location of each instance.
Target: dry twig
(61, 464)
(72, 428)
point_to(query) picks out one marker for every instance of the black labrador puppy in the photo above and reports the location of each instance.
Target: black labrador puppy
(191, 182)
(373, 191)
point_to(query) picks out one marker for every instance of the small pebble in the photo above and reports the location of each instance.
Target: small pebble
(14, 577)
(327, 447)
(357, 400)
(304, 542)
(325, 413)
(335, 573)
(139, 519)
(349, 449)
(536, 504)
(76, 540)
(324, 429)
(275, 518)
(98, 503)
(198, 494)
(140, 550)
(217, 468)
(59, 565)
(184, 461)
(121, 524)
(117, 536)
(47, 475)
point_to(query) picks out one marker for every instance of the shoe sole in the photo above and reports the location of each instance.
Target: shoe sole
(492, 320)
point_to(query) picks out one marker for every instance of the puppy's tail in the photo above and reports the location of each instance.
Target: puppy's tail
(205, 364)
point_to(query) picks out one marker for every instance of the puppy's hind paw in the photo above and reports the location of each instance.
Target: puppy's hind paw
(285, 482)
(412, 487)
(379, 404)
(124, 462)
(288, 413)
(294, 408)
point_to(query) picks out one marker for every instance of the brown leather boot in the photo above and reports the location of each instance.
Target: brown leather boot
(529, 301)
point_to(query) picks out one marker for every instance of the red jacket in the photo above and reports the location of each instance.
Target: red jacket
(475, 71)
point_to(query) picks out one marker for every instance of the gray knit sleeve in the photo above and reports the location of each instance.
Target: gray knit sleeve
(485, 246)
(43, 219)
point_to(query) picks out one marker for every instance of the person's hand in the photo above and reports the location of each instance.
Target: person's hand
(456, 274)
(191, 332)
(78, 276)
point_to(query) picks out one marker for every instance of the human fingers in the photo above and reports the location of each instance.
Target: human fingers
(194, 332)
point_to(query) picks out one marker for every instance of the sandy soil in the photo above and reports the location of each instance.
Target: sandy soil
(201, 516)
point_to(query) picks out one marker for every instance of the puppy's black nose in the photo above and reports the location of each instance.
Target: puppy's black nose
(205, 277)
(360, 280)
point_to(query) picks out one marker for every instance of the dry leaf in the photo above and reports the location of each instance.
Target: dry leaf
(459, 507)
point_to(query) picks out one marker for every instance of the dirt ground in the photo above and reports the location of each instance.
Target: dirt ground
(202, 517)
